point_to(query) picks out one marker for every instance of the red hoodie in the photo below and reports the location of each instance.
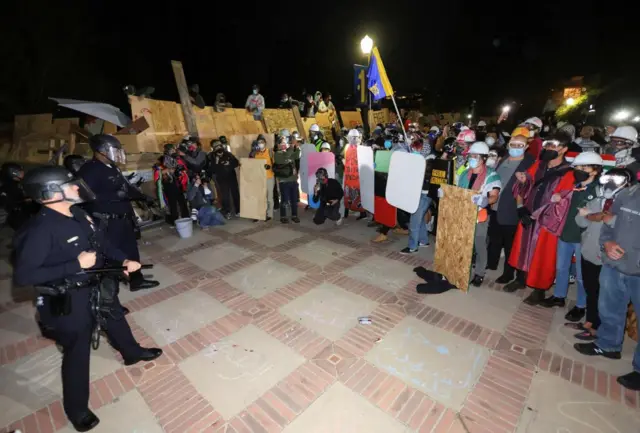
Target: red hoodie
(535, 147)
(181, 181)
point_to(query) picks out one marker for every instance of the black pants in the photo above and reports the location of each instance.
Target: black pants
(501, 237)
(176, 201)
(230, 194)
(325, 212)
(591, 281)
(73, 333)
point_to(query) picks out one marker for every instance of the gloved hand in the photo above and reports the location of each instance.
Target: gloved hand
(480, 200)
(525, 216)
(267, 167)
(440, 192)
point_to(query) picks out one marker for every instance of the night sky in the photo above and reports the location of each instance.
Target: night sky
(452, 52)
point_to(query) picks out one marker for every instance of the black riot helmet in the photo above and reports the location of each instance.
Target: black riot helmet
(55, 184)
(322, 175)
(109, 147)
(11, 171)
(73, 163)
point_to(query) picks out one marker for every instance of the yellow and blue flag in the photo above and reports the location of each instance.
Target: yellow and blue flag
(378, 82)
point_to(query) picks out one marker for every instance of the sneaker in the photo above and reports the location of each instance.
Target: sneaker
(575, 314)
(284, 220)
(504, 279)
(513, 286)
(572, 279)
(295, 219)
(535, 297)
(477, 280)
(630, 381)
(339, 222)
(552, 301)
(381, 238)
(590, 349)
(421, 245)
(408, 251)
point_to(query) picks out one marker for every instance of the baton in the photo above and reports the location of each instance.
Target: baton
(110, 269)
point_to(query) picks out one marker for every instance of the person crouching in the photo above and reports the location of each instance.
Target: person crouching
(199, 200)
(328, 192)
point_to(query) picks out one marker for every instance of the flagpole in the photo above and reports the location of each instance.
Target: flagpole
(399, 117)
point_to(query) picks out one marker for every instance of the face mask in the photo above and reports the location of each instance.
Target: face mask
(516, 153)
(261, 146)
(492, 162)
(611, 189)
(622, 156)
(580, 175)
(255, 92)
(548, 155)
(388, 144)
(473, 163)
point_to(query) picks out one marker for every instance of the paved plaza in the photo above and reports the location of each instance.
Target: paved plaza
(260, 332)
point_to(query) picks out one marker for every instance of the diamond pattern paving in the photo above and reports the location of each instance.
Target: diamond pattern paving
(259, 324)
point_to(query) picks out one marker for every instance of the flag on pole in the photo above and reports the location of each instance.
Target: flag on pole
(378, 82)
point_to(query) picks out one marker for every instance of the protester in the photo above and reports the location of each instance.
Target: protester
(255, 103)
(504, 221)
(486, 181)
(590, 219)
(221, 103)
(465, 138)
(285, 102)
(534, 125)
(481, 131)
(200, 201)
(325, 147)
(329, 104)
(620, 281)
(319, 100)
(171, 180)
(623, 143)
(587, 166)
(192, 155)
(536, 241)
(13, 200)
(261, 152)
(222, 165)
(285, 172)
(585, 142)
(354, 139)
(328, 192)
(309, 108)
(315, 136)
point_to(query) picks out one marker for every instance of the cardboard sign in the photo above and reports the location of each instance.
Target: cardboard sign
(367, 178)
(404, 185)
(253, 184)
(326, 160)
(352, 200)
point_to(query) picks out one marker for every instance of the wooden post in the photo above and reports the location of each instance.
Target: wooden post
(72, 143)
(185, 101)
(299, 123)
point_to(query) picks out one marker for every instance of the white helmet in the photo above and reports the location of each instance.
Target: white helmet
(534, 121)
(587, 158)
(325, 145)
(482, 123)
(479, 148)
(490, 141)
(354, 137)
(314, 128)
(626, 133)
(285, 133)
(434, 129)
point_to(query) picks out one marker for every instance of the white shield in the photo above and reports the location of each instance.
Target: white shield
(404, 185)
(367, 176)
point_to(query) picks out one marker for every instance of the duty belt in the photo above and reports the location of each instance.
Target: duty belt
(114, 216)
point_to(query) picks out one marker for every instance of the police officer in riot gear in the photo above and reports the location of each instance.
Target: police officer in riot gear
(113, 200)
(73, 163)
(55, 252)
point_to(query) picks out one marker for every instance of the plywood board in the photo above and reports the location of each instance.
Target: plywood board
(351, 119)
(277, 119)
(457, 217)
(204, 123)
(325, 119)
(241, 144)
(379, 116)
(253, 184)
(404, 184)
(367, 177)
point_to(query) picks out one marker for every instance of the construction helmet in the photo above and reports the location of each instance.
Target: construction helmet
(479, 148)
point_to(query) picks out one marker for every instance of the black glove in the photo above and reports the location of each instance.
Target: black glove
(267, 167)
(525, 216)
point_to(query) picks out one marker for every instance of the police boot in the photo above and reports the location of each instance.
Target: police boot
(137, 282)
(85, 423)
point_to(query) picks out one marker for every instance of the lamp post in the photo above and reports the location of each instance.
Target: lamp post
(366, 45)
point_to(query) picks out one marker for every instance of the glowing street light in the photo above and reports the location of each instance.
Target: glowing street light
(621, 115)
(506, 108)
(570, 101)
(366, 45)
(469, 116)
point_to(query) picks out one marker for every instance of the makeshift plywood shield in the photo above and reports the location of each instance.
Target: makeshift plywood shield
(351, 119)
(352, 199)
(241, 144)
(441, 173)
(316, 160)
(305, 150)
(253, 184)
(384, 213)
(456, 232)
(404, 184)
(367, 178)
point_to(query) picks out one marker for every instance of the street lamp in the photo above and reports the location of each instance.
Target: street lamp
(366, 45)
(506, 108)
(621, 115)
(469, 116)
(570, 101)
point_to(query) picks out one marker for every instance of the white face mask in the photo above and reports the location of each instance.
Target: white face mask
(261, 146)
(492, 162)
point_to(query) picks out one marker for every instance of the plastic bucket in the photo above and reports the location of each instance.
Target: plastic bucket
(184, 227)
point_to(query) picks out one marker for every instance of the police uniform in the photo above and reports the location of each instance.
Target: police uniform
(47, 249)
(113, 195)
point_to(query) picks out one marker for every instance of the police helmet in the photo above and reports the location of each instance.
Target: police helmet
(11, 170)
(73, 163)
(108, 146)
(43, 183)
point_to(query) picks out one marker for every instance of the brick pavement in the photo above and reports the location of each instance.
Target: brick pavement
(283, 393)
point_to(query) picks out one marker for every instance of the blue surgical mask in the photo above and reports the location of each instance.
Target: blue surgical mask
(473, 163)
(388, 144)
(516, 153)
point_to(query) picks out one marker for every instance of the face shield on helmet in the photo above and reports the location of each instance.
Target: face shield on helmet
(115, 155)
(73, 191)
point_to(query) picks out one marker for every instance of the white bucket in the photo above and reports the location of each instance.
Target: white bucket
(184, 227)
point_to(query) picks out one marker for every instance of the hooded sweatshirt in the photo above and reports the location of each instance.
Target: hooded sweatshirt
(623, 230)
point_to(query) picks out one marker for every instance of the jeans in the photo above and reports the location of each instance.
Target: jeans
(617, 289)
(289, 195)
(417, 226)
(564, 257)
(208, 216)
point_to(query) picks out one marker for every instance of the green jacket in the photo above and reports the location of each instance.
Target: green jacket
(287, 157)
